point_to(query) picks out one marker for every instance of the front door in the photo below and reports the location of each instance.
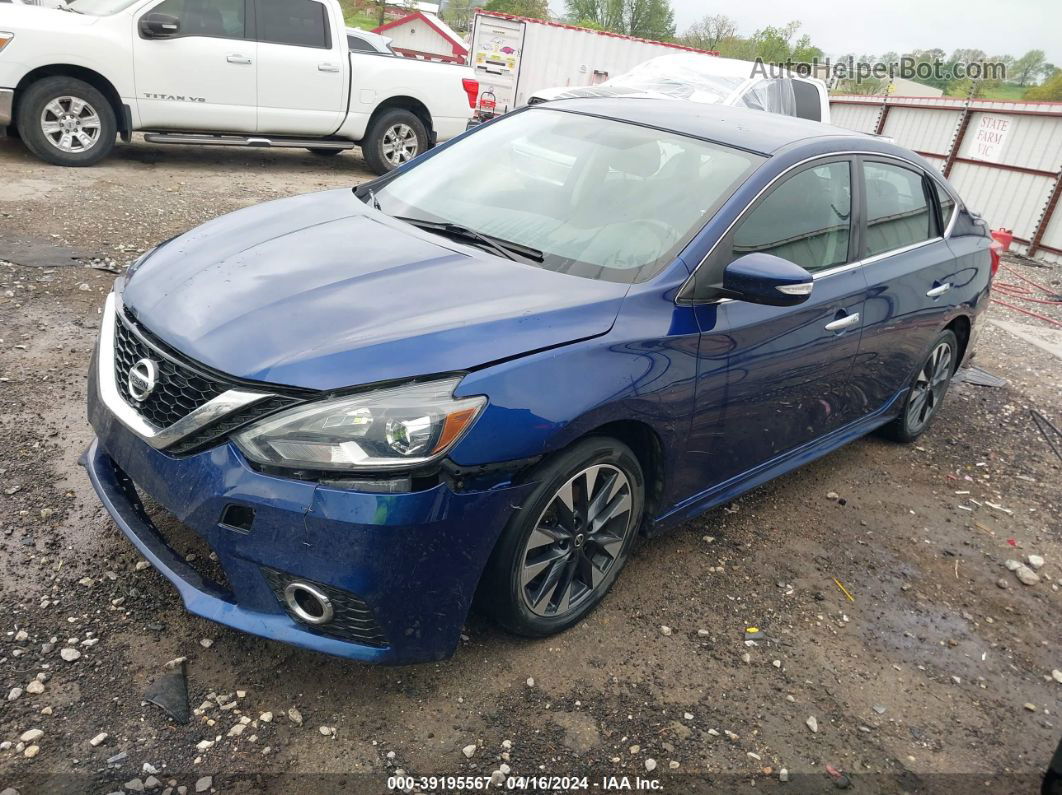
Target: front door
(785, 378)
(302, 68)
(203, 77)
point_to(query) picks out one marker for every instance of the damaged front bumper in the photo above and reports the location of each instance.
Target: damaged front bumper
(399, 570)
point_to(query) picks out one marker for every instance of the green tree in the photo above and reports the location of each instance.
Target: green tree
(648, 19)
(710, 32)
(1048, 91)
(1027, 67)
(538, 9)
(458, 14)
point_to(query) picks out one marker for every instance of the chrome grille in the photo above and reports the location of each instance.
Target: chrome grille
(180, 389)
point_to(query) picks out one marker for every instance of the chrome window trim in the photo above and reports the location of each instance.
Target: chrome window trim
(158, 438)
(838, 268)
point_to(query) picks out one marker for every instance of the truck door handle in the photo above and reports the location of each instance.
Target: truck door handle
(843, 323)
(327, 67)
(939, 290)
(237, 58)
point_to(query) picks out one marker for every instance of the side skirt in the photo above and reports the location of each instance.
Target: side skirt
(769, 470)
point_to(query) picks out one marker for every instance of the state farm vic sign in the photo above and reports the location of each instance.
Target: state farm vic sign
(989, 136)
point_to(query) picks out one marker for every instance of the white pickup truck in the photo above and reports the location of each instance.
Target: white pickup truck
(225, 72)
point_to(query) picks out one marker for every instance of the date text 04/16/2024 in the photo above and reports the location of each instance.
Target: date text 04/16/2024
(528, 783)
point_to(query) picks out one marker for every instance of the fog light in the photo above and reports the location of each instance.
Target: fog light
(308, 603)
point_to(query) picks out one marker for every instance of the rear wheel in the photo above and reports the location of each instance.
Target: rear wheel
(927, 391)
(560, 554)
(66, 121)
(394, 139)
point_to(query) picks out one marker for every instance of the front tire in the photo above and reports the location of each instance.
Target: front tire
(67, 122)
(394, 139)
(927, 391)
(560, 553)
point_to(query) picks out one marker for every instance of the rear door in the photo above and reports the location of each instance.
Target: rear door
(203, 77)
(787, 368)
(912, 275)
(302, 68)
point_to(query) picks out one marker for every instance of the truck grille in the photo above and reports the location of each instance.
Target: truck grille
(180, 389)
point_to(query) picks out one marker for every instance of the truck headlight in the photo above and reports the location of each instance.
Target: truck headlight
(392, 428)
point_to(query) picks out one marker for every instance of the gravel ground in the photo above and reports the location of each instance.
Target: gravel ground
(935, 676)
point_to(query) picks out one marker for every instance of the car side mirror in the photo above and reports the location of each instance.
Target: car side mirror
(159, 26)
(760, 278)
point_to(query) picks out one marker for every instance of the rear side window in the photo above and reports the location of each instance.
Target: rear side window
(299, 22)
(807, 219)
(947, 207)
(222, 19)
(898, 213)
(808, 101)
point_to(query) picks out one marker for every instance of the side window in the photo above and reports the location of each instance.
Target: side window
(947, 206)
(898, 213)
(299, 22)
(222, 19)
(808, 100)
(805, 220)
(359, 45)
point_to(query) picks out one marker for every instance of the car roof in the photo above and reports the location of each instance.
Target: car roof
(753, 130)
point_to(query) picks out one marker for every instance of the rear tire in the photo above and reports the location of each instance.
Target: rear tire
(552, 566)
(927, 391)
(66, 122)
(394, 139)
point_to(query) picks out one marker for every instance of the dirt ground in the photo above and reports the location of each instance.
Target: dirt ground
(933, 677)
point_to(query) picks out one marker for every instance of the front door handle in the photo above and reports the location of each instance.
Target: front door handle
(939, 290)
(237, 58)
(843, 323)
(327, 67)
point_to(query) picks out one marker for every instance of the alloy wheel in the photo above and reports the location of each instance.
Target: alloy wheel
(930, 387)
(399, 144)
(576, 541)
(71, 124)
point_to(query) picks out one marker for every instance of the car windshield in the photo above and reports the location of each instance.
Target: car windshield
(595, 197)
(99, 8)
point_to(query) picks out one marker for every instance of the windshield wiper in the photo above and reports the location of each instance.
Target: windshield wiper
(505, 248)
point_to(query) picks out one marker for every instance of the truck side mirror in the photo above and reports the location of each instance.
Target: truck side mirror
(159, 26)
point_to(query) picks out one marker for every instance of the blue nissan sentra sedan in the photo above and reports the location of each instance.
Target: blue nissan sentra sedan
(481, 376)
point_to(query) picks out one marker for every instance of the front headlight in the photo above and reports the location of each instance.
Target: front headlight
(393, 428)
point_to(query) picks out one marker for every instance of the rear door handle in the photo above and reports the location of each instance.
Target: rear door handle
(939, 290)
(237, 58)
(843, 323)
(327, 67)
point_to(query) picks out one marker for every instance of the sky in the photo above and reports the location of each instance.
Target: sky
(996, 26)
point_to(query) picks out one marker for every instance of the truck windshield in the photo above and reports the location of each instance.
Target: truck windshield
(99, 8)
(594, 197)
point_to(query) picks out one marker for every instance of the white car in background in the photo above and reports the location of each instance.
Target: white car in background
(261, 73)
(712, 80)
(366, 41)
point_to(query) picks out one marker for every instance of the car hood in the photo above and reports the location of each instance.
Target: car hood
(20, 17)
(322, 292)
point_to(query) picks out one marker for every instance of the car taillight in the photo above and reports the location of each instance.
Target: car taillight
(472, 89)
(995, 249)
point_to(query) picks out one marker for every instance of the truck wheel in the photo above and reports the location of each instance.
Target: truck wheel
(326, 152)
(66, 121)
(395, 138)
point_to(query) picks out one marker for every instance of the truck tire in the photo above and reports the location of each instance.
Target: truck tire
(66, 121)
(396, 137)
